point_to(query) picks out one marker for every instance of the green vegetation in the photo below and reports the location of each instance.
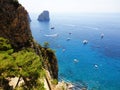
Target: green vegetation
(50, 62)
(4, 44)
(54, 81)
(46, 45)
(25, 64)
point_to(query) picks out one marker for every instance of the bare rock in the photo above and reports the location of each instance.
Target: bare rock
(44, 16)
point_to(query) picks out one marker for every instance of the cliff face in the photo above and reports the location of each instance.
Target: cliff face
(14, 26)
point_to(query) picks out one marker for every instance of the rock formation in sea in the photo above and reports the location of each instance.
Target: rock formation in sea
(44, 16)
(18, 47)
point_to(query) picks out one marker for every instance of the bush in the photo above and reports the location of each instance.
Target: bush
(4, 44)
(24, 64)
(54, 81)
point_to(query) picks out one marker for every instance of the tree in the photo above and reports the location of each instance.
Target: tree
(28, 66)
(25, 64)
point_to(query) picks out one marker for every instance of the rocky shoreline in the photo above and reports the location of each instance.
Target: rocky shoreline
(64, 85)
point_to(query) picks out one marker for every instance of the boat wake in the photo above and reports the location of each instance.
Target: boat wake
(70, 25)
(51, 35)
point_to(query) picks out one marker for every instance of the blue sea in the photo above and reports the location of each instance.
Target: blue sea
(95, 65)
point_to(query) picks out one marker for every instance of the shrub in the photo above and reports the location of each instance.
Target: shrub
(54, 81)
(24, 64)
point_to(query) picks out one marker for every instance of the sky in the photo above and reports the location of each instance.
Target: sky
(70, 6)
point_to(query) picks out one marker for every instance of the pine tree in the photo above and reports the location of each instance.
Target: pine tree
(25, 64)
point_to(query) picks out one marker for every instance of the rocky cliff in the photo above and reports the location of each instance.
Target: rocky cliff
(14, 26)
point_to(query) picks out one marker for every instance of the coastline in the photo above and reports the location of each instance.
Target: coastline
(65, 85)
(62, 85)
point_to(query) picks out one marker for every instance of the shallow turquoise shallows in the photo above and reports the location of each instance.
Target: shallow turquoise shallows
(95, 64)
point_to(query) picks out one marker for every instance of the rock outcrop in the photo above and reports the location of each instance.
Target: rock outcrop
(44, 16)
(14, 26)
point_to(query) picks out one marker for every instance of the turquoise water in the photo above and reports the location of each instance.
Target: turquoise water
(95, 65)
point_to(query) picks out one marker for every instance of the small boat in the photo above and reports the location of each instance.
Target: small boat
(85, 41)
(68, 39)
(70, 33)
(75, 60)
(102, 35)
(96, 66)
(52, 27)
(63, 50)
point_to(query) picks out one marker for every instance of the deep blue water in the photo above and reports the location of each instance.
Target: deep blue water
(103, 53)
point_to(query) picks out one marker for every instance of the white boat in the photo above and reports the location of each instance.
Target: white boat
(68, 39)
(85, 41)
(96, 66)
(75, 60)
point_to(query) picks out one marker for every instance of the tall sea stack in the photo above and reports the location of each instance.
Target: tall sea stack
(44, 16)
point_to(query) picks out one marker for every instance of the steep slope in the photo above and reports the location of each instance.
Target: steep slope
(14, 24)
